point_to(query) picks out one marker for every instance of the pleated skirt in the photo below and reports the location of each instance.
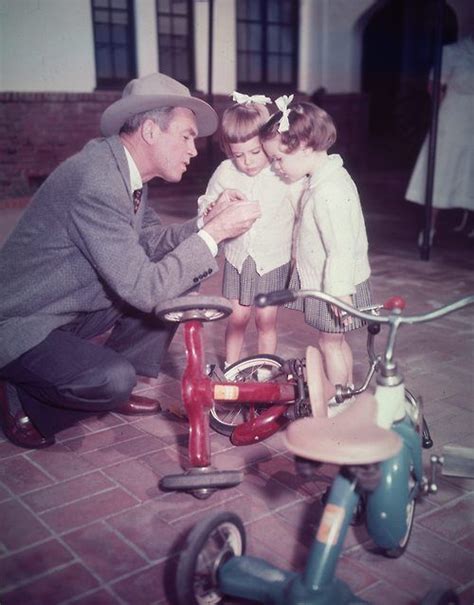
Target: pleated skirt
(244, 286)
(319, 314)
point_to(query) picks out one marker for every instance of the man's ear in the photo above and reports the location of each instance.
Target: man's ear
(149, 131)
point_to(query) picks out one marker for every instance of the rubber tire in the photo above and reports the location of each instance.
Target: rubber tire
(211, 480)
(193, 306)
(395, 553)
(255, 361)
(188, 562)
(440, 596)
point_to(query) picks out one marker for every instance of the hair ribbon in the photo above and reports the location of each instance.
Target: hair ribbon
(282, 104)
(242, 99)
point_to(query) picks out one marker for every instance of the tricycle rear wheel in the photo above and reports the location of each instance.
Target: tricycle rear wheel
(259, 368)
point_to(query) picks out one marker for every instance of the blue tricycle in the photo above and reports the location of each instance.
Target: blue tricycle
(377, 445)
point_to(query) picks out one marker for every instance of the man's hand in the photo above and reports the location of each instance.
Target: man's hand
(231, 216)
(226, 197)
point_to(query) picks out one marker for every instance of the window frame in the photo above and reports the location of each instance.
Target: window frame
(115, 82)
(190, 54)
(263, 83)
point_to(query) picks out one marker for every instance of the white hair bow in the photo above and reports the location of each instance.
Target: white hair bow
(282, 104)
(242, 99)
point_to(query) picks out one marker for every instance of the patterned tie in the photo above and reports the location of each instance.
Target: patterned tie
(137, 198)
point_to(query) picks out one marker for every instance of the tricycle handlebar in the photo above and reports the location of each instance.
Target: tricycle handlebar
(395, 304)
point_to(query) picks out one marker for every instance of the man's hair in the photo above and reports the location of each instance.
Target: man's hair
(309, 125)
(161, 117)
(240, 123)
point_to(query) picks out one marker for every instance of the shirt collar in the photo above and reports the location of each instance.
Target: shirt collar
(135, 178)
(332, 163)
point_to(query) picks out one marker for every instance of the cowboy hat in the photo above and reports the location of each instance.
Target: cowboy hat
(152, 92)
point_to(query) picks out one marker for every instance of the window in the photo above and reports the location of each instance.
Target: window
(267, 42)
(175, 39)
(114, 40)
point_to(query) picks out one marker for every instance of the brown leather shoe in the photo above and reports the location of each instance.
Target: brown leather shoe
(139, 405)
(17, 427)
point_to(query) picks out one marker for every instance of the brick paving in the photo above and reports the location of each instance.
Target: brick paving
(84, 522)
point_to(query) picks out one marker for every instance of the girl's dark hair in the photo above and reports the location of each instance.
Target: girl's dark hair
(240, 123)
(309, 125)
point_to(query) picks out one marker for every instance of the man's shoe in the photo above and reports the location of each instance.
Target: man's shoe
(139, 405)
(17, 427)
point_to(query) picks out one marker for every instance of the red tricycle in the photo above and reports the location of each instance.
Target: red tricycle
(250, 400)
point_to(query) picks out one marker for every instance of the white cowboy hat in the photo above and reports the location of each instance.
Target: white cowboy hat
(152, 92)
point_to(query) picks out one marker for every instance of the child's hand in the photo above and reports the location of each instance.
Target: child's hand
(344, 318)
(233, 195)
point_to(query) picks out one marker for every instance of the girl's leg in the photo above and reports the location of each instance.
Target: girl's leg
(265, 320)
(234, 334)
(338, 358)
(320, 389)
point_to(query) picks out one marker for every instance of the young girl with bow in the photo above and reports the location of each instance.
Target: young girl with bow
(259, 260)
(331, 246)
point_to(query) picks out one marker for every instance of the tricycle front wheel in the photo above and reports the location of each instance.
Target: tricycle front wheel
(211, 543)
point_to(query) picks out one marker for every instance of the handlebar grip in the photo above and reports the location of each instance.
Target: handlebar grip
(280, 297)
(395, 302)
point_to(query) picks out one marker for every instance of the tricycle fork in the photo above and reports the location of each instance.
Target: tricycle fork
(196, 392)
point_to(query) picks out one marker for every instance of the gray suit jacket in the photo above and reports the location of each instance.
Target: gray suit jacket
(79, 247)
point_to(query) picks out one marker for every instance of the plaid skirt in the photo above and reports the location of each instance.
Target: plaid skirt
(319, 315)
(244, 286)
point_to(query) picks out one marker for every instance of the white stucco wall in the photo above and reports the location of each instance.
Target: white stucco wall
(335, 49)
(44, 47)
(47, 45)
(224, 71)
(146, 37)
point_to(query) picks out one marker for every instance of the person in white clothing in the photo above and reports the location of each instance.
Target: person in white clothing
(453, 185)
(259, 261)
(331, 241)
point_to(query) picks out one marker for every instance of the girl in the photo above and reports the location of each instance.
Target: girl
(259, 260)
(331, 242)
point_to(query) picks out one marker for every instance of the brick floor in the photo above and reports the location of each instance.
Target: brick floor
(84, 522)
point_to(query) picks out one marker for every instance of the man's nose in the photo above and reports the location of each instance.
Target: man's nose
(192, 149)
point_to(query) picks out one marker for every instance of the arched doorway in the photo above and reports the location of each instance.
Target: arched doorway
(397, 54)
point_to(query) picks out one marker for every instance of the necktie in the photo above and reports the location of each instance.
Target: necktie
(137, 198)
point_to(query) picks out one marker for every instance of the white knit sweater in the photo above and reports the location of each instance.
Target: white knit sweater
(331, 240)
(269, 240)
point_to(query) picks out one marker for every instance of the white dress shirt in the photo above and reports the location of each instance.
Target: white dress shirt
(137, 183)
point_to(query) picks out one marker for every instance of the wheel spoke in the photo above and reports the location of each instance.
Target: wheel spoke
(231, 414)
(260, 368)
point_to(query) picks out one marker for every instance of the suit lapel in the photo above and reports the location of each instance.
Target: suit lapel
(118, 152)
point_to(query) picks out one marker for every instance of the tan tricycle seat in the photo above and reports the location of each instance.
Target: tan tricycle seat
(352, 437)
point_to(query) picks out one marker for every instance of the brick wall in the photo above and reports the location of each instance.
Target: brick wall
(39, 130)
